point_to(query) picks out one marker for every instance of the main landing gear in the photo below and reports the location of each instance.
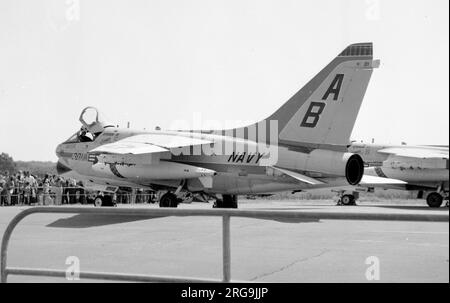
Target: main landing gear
(347, 199)
(435, 200)
(227, 201)
(169, 200)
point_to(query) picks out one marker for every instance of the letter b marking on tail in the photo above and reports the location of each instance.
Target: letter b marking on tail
(314, 111)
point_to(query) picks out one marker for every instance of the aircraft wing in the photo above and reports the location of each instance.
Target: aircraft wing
(422, 153)
(122, 148)
(149, 144)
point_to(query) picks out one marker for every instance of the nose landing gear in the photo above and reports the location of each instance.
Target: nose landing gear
(435, 200)
(102, 201)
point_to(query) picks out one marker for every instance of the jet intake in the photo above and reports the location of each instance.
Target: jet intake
(61, 168)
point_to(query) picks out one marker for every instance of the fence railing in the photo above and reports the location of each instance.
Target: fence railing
(226, 214)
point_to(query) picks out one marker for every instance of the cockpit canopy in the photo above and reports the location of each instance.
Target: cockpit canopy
(93, 120)
(93, 124)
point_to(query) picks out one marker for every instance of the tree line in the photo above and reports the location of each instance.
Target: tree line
(39, 168)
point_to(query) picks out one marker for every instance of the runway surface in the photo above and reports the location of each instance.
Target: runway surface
(262, 251)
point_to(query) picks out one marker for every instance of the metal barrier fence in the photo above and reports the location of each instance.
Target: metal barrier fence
(226, 214)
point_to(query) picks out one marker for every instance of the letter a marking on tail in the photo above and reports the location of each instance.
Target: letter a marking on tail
(335, 87)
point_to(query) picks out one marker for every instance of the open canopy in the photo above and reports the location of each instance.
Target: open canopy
(93, 121)
(93, 124)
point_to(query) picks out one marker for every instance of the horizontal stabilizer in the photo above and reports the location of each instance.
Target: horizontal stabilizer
(372, 182)
(378, 181)
(297, 176)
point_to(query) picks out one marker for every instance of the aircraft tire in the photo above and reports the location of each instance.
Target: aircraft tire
(98, 202)
(104, 201)
(230, 201)
(168, 200)
(435, 200)
(218, 204)
(348, 200)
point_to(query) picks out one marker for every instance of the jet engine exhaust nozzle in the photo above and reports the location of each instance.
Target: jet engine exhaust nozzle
(354, 170)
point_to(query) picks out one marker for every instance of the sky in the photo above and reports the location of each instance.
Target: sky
(157, 61)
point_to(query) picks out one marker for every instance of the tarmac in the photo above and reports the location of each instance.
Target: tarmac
(261, 250)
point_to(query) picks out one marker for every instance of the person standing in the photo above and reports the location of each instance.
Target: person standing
(46, 189)
(19, 188)
(31, 182)
(27, 194)
(10, 185)
(65, 185)
(57, 189)
(72, 191)
(2, 191)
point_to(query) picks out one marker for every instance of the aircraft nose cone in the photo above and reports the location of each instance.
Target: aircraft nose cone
(58, 151)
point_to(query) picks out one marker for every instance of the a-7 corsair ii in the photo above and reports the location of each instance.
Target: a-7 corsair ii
(303, 145)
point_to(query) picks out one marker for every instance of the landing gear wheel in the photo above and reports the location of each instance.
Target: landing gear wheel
(347, 200)
(104, 201)
(98, 202)
(168, 200)
(218, 204)
(228, 201)
(435, 200)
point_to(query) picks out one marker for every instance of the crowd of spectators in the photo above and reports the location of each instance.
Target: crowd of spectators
(24, 188)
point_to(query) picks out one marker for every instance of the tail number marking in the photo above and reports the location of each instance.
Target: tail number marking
(315, 109)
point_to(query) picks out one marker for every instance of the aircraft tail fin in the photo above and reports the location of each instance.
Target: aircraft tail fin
(324, 111)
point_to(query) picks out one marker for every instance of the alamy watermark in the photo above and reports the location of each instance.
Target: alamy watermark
(255, 142)
(63, 13)
(73, 269)
(373, 271)
(373, 10)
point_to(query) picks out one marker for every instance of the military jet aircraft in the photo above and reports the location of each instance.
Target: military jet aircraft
(421, 168)
(302, 145)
